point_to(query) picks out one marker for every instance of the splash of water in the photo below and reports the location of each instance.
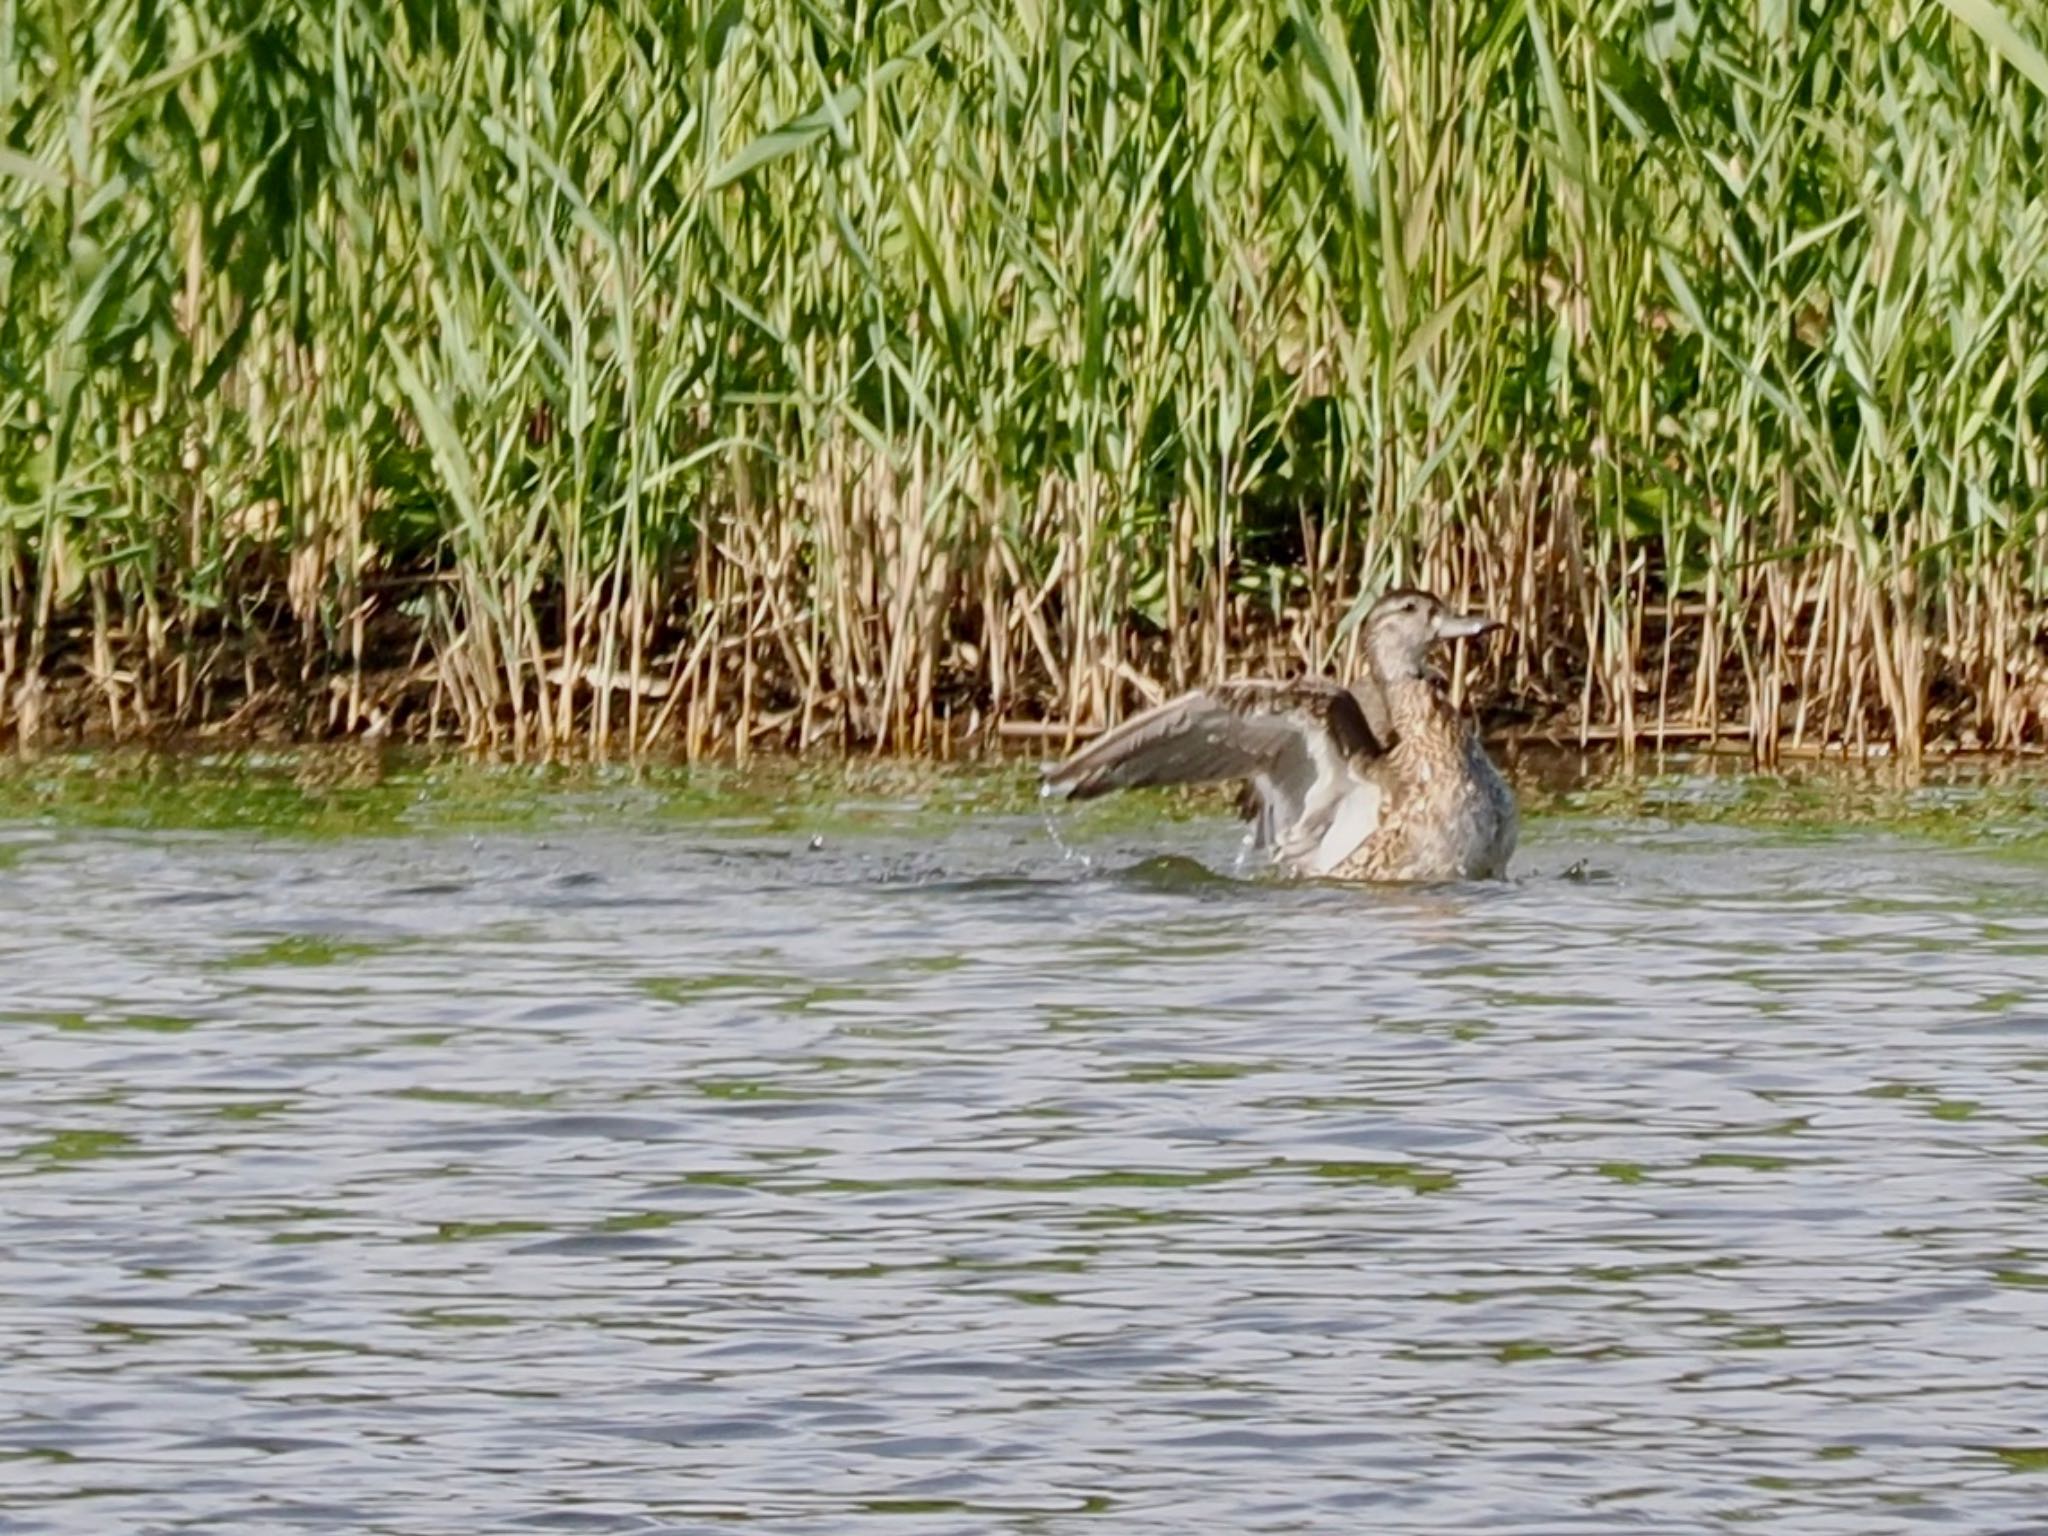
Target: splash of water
(1068, 853)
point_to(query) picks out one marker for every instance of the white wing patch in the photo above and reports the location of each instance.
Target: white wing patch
(1343, 805)
(1355, 818)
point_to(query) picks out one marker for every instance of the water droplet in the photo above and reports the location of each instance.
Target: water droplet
(1069, 854)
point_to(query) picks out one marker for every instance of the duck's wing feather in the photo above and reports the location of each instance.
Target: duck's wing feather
(1296, 744)
(1372, 703)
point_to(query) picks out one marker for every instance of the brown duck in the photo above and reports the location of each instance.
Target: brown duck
(1383, 780)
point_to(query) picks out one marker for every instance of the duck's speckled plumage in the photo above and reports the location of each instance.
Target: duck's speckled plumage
(1382, 781)
(1448, 813)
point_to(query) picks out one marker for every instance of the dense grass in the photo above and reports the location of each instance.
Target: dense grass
(614, 373)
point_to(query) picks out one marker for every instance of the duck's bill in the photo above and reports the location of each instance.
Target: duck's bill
(1464, 626)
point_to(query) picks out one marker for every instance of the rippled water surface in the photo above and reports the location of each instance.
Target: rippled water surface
(643, 1170)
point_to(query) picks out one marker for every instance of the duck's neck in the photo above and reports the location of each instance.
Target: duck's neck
(1417, 708)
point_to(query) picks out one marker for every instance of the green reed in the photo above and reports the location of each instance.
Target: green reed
(613, 374)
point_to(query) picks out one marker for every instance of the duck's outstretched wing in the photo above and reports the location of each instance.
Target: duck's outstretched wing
(1299, 747)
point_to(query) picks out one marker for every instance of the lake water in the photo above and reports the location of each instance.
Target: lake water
(641, 1167)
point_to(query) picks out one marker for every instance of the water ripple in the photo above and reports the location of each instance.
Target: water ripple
(649, 1177)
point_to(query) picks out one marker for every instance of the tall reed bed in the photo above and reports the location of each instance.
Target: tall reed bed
(610, 373)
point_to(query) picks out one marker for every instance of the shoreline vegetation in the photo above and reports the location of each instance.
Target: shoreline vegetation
(704, 379)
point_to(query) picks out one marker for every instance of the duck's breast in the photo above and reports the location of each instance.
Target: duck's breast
(1460, 822)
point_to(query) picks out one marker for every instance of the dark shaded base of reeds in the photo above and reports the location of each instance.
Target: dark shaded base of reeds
(1799, 659)
(399, 705)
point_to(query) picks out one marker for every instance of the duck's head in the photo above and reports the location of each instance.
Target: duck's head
(1404, 624)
